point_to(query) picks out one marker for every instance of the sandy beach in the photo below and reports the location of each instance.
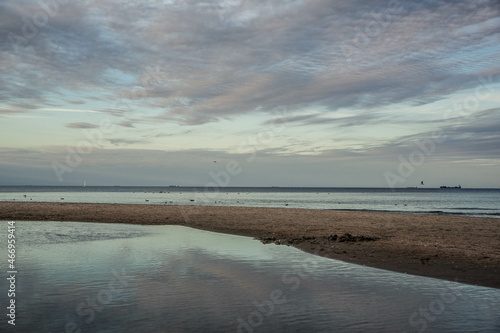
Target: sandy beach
(462, 249)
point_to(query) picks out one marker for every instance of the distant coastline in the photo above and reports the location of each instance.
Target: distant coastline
(256, 187)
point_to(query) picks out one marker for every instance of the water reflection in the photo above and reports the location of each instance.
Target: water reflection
(127, 278)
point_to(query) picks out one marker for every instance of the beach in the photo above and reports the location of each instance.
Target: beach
(454, 248)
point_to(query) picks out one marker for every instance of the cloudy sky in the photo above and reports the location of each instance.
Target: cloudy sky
(281, 92)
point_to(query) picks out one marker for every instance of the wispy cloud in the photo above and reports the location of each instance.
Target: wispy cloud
(68, 110)
(124, 142)
(81, 125)
(321, 119)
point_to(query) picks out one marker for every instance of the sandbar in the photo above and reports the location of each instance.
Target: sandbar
(454, 248)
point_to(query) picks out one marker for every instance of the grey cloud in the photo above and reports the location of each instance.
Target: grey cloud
(66, 52)
(271, 166)
(156, 167)
(121, 110)
(81, 125)
(230, 58)
(124, 142)
(466, 138)
(128, 123)
(163, 135)
(319, 119)
(9, 111)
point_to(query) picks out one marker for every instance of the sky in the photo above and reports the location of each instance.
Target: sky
(250, 93)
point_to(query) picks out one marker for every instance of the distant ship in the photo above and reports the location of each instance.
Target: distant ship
(455, 187)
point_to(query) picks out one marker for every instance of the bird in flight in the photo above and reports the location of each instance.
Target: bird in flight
(422, 182)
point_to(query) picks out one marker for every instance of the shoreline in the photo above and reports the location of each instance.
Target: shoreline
(454, 248)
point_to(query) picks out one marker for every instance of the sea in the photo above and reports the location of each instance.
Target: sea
(478, 202)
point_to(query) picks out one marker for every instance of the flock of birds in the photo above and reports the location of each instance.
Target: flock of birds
(192, 200)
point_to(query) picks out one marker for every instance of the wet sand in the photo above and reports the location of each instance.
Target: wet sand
(455, 248)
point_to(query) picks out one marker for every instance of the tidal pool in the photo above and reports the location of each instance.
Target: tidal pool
(88, 277)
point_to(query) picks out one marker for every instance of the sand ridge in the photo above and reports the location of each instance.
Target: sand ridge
(456, 248)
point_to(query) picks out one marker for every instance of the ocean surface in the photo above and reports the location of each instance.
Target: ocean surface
(465, 201)
(87, 277)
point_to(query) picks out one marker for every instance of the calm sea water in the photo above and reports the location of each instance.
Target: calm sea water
(131, 278)
(471, 202)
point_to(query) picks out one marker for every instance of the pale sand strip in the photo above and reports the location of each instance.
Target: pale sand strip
(462, 249)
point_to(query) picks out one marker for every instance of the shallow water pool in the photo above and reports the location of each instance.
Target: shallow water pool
(86, 277)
